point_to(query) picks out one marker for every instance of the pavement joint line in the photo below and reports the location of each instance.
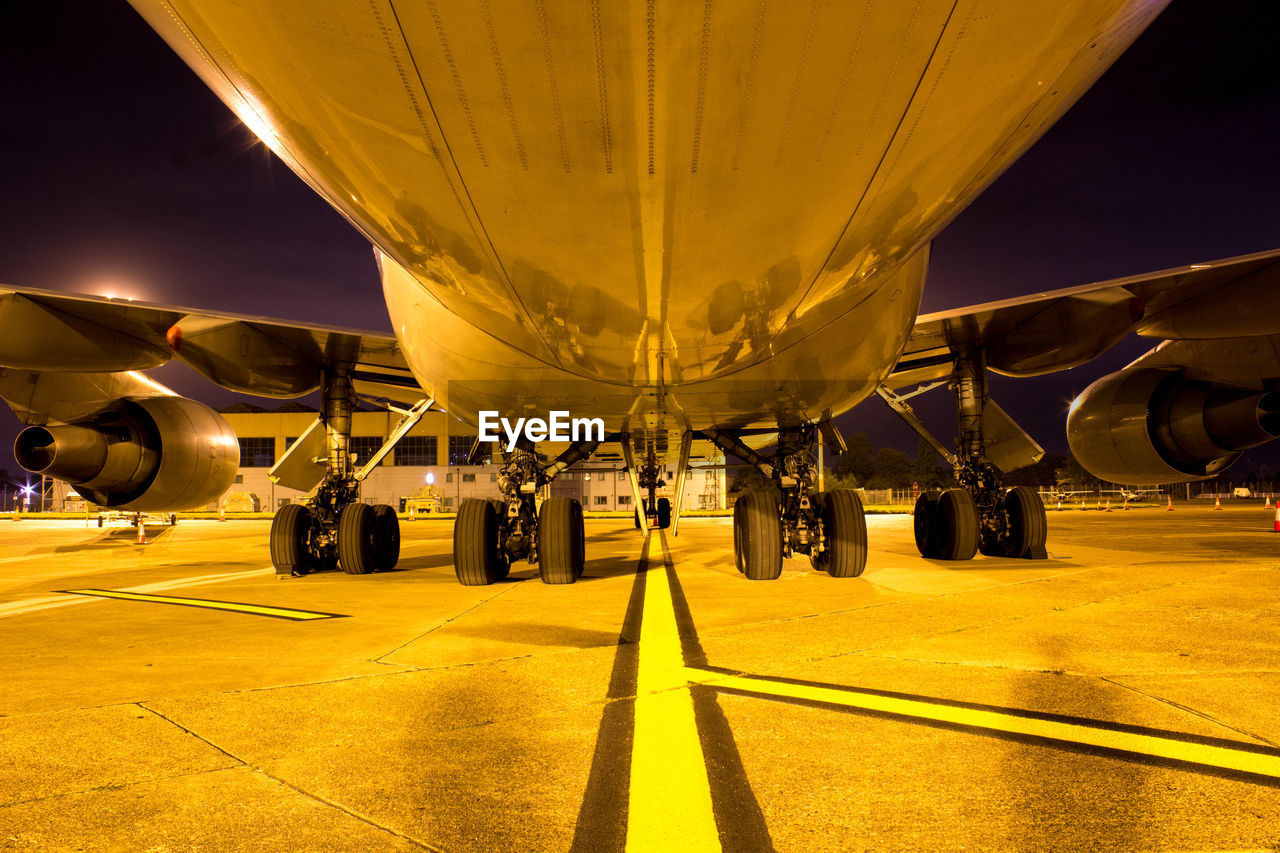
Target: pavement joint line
(1254, 762)
(287, 613)
(308, 794)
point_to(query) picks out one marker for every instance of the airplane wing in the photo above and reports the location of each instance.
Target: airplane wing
(1047, 332)
(63, 354)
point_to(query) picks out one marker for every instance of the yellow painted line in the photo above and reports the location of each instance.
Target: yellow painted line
(207, 604)
(1221, 756)
(670, 797)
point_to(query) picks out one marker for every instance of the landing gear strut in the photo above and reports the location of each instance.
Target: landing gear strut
(490, 535)
(980, 515)
(830, 528)
(335, 528)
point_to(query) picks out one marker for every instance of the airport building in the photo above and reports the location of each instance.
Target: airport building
(429, 463)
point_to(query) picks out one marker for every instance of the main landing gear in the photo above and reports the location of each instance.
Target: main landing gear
(490, 535)
(336, 529)
(657, 511)
(981, 515)
(831, 527)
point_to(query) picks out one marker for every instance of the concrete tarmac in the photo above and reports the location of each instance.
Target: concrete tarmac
(178, 696)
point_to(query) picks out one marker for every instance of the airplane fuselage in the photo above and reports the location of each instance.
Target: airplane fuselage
(713, 214)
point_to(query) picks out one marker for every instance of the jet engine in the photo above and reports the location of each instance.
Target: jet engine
(147, 453)
(1144, 426)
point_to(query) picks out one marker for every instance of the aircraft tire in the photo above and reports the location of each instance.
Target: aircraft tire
(476, 561)
(561, 542)
(664, 513)
(956, 526)
(924, 520)
(386, 537)
(1027, 525)
(760, 544)
(357, 539)
(290, 528)
(846, 533)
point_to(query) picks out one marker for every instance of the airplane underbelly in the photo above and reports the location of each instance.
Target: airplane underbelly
(651, 194)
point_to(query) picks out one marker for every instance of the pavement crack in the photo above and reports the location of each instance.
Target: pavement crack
(295, 788)
(1188, 709)
(115, 786)
(449, 621)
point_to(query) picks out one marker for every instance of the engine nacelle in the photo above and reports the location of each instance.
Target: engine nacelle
(148, 453)
(1145, 426)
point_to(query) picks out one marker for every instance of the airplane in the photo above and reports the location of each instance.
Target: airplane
(699, 223)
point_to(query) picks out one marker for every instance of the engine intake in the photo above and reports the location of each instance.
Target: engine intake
(150, 453)
(1146, 426)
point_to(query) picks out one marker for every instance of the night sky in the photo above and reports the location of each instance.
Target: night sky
(123, 174)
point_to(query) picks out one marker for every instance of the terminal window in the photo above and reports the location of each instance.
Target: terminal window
(460, 448)
(364, 446)
(624, 500)
(257, 452)
(468, 478)
(601, 500)
(416, 450)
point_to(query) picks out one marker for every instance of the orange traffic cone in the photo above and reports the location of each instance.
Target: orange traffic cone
(1267, 505)
(413, 512)
(1126, 505)
(222, 512)
(142, 534)
(1217, 504)
(1099, 504)
(1108, 509)
(1277, 523)
(1059, 504)
(1169, 508)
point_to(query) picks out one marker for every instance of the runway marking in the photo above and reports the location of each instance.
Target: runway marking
(1192, 752)
(670, 797)
(209, 604)
(48, 602)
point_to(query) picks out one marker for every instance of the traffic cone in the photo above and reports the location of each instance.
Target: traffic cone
(1267, 505)
(222, 512)
(413, 512)
(1277, 523)
(1169, 508)
(1108, 509)
(1217, 504)
(1099, 504)
(1059, 504)
(1126, 505)
(1082, 506)
(142, 534)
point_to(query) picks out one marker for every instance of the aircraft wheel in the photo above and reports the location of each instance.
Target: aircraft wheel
(759, 545)
(664, 513)
(386, 537)
(845, 525)
(500, 513)
(955, 533)
(357, 539)
(476, 560)
(290, 529)
(924, 517)
(560, 541)
(1027, 527)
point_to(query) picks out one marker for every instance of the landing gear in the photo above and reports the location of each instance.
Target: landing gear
(981, 515)
(831, 528)
(335, 528)
(490, 535)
